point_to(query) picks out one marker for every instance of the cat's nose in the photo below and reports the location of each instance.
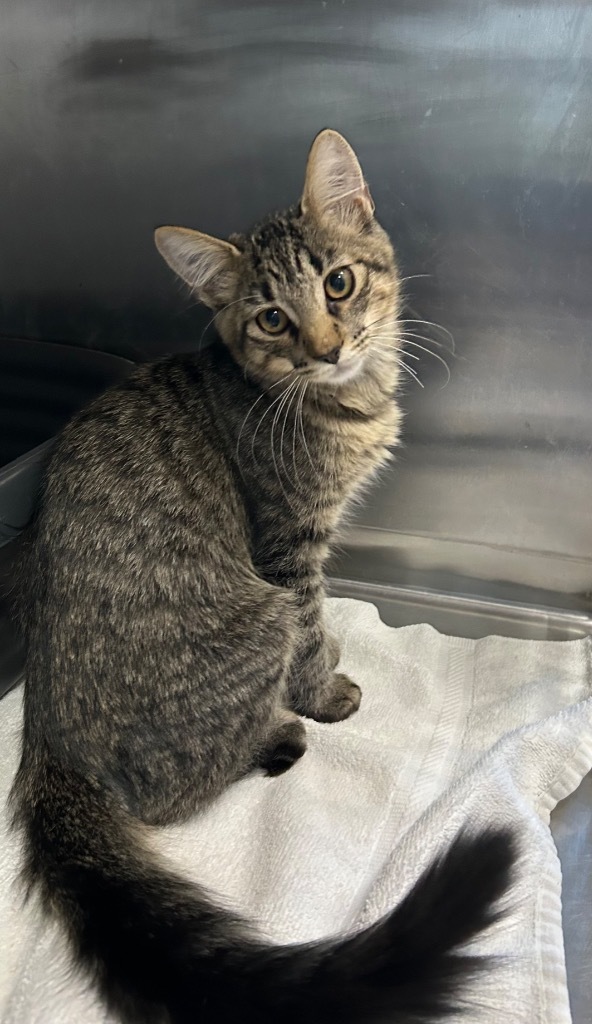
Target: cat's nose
(332, 356)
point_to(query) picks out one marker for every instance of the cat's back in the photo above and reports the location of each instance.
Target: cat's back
(143, 468)
(129, 431)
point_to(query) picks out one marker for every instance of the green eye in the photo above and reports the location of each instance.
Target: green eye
(339, 284)
(272, 320)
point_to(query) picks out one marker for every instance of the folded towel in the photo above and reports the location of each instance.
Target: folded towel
(451, 733)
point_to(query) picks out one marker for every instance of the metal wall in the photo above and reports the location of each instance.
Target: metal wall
(473, 123)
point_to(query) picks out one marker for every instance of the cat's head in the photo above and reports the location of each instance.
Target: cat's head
(312, 291)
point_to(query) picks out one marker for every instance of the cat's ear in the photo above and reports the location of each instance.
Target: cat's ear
(334, 188)
(208, 265)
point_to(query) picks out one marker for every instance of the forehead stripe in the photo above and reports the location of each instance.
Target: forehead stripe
(315, 262)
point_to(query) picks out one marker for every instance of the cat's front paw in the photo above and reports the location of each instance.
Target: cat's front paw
(340, 700)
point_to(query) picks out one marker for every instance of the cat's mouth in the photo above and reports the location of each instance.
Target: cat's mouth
(342, 372)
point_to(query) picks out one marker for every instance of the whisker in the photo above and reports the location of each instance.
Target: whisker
(293, 393)
(430, 323)
(243, 298)
(267, 411)
(384, 335)
(390, 317)
(246, 368)
(297, 422)
(413, 277)
(380, 343)
(389, 322)
(423, 337)
(282, 403)
(403, 335)
(390, 342)
(435, 355)
(294, 441)
(384, 323)
(410, 371)
(256, 402)
(402, 331)
(301, 403)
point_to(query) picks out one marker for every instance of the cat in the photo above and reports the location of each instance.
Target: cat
(173, 609)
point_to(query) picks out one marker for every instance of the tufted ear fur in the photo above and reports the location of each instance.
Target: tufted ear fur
(208, 265)
(334, 188)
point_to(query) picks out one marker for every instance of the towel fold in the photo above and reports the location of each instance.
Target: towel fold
(451, 734)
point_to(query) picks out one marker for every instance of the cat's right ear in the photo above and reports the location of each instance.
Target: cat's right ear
(208, 265)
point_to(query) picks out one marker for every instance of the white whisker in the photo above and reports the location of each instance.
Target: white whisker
(256, 402)
(424, 337)
(379, 342)
(301, 403)
(410, 371)
(388, 320)
(413, 277)
(282, 403)
(296, 477)
(430, 323)
(383, 335)
(243, 298)
(293, 393)
(267, 411)
(434, 354)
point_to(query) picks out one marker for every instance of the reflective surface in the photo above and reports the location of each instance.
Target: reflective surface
(473, 121)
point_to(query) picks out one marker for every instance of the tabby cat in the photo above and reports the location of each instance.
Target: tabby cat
(173, 607)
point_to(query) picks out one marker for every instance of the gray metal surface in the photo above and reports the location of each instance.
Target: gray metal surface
(473, 121)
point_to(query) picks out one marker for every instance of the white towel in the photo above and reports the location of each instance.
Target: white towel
(450, 733)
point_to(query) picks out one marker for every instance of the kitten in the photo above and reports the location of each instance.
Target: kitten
(173, 611)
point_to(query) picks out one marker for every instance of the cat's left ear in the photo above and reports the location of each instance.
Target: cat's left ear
(334, 188)
(208, 265)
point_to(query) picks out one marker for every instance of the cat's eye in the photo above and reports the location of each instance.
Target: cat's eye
(339, 284)
(272, 320)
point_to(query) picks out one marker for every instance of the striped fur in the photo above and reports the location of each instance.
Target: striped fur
(173, 610)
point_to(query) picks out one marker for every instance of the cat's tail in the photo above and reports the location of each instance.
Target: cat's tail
(161, 951)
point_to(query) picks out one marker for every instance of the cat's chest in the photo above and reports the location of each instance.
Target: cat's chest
(309, 487)
(359, 447)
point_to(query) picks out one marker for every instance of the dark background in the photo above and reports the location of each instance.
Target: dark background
(473, 123)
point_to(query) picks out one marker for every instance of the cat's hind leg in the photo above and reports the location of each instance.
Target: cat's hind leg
(284, 744)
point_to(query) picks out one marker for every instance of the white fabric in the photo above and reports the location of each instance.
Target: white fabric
(451, 733)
